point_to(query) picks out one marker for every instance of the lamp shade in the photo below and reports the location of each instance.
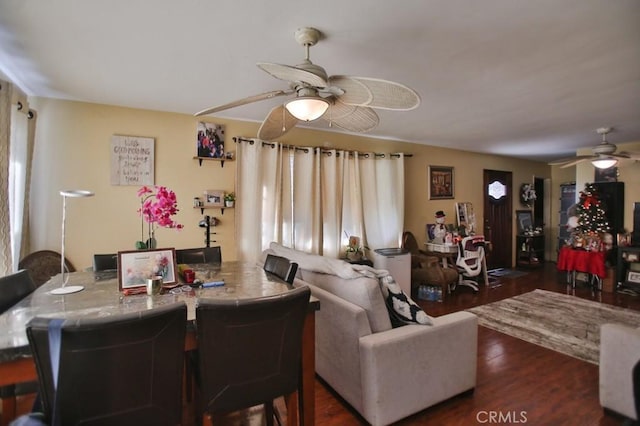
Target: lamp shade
(307, 108)
(604, 162)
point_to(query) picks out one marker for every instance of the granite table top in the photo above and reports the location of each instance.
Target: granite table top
(101, 297)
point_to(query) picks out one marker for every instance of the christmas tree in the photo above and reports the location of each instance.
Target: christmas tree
(592, 222)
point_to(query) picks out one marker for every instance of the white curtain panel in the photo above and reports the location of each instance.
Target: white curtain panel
(5, 137)
(18, 150)
(383, 199)
(259, 220)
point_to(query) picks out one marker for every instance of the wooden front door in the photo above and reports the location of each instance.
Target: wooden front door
(498, 219)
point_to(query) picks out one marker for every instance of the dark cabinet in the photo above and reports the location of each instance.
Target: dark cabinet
(628, 260)
(530, 250)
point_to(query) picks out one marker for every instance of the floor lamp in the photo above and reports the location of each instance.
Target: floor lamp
(63, 289)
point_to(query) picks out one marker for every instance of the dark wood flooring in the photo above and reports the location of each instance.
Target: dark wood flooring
(523, 382)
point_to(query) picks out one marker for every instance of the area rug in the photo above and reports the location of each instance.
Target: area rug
(505, 272)
(556, 321)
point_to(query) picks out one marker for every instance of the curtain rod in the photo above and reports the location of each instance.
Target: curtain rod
(19, 105)
(324, 151)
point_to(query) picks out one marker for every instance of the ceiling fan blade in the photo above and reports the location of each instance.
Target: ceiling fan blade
(292, 74)
(247, 100)
(351, 118)
(624, 155)
(385, 94)
(571, 159)
(629, 155)
(573, 163)
(278, 122)
(355, 92)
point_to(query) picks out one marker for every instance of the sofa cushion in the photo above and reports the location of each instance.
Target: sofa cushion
(402, 310)
(364, 292)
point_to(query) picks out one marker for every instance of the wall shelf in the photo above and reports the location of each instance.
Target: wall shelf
(202, 208)
(220, 160)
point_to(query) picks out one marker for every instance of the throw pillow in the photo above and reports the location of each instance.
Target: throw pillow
(402, 310)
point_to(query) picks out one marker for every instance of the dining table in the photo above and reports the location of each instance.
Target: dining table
(102, 297)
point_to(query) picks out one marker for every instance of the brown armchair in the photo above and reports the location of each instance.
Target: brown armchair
(426, 269)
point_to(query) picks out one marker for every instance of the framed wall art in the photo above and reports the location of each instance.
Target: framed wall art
(440, 183)
(210, 140)
(132, 160)
(134, 267)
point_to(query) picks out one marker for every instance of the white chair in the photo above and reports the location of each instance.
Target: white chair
(470, 261)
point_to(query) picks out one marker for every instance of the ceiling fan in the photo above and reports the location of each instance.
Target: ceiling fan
(604, 155)
(344, 101)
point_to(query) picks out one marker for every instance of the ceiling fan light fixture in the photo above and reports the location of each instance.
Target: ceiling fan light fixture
(604, 163)
(307, 108)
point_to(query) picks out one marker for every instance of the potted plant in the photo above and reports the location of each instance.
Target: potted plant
(229, 199)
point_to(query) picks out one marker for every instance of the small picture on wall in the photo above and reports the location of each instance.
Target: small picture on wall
(440, 182)
(210, 140)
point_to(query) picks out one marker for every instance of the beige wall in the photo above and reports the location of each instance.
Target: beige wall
(72, 152)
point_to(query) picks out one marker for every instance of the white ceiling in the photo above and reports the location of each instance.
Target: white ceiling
(521, 78)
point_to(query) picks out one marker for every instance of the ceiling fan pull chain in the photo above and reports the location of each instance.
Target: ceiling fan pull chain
(284, 129)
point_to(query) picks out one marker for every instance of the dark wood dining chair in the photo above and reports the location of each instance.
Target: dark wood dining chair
(199, 255)
(115, 370)
(105, 262)
(13, 288)
(249, 351)
(44, 264)
(281, 267)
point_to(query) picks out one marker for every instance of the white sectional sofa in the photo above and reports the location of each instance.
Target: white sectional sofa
(619, 353)
(385, 373)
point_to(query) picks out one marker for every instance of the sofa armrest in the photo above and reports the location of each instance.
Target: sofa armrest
(339, 326)
(619, 353)
(409, 368)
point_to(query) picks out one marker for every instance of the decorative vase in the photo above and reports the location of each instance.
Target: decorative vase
(229, 203)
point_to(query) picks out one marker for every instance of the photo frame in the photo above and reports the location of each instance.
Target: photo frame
(623, 240)
(633, 277)
(441, 184)
(135, 266)
(524, 220)
(465, 217)
(210, 140)
(630, 256)
(213, 198)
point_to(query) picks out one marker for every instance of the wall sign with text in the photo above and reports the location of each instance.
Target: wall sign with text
(132, 160)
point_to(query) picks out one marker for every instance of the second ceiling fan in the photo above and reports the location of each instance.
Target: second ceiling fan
(344, 101)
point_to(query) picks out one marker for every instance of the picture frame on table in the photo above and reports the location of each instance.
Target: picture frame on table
(633, 277)
(136, 266)
(214, 198)
(441, 183)
(524, 221)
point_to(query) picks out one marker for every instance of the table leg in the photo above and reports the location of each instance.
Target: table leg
(306, 395)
